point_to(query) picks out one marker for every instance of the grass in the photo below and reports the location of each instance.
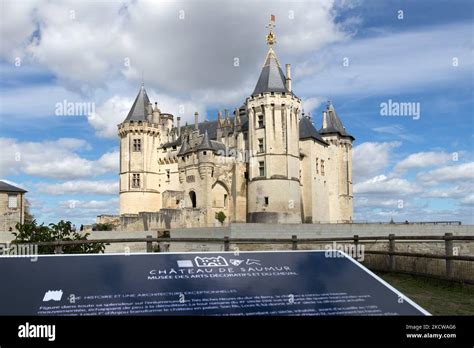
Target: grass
(439, 297)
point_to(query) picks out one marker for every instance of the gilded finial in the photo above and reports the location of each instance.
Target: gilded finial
(271, 36)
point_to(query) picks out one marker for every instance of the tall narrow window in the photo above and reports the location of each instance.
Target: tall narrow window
(261, 168)
(322, 167)
(260, 121)
(266, 200)
(136, 180)
(12, 201)
(192, 197)
(317, 165)
(137, 145)
(260, 145)
(168, 175)
(225, 201)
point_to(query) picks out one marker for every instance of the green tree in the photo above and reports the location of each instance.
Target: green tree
(104, 227)
(32, 233)
(28, 215)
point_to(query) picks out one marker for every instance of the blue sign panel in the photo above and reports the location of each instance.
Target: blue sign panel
(246, 283)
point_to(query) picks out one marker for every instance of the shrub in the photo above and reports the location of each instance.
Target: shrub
(31, 233)
(220, 216)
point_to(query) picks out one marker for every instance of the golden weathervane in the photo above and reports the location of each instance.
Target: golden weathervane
(271, 36)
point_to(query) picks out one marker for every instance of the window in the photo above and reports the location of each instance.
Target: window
(167, 175)
(266, 200)
(322, 167)
(136, 180)
(12, 201)
(225, 201)
(137, 145)
(205, 153)
(260, 121)
(317, 165)
(192, 197)
(261, 168)
(260, 145)
(245, 135)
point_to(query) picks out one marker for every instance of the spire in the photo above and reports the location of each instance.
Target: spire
(184, 148)
(139, 110)
(332, 123)
(271, 78)
(205, 143)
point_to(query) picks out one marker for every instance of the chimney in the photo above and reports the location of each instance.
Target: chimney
(325, 119)
(288, 77)
(237, 118)
(196, 120)
(226, 117)
(178, 125)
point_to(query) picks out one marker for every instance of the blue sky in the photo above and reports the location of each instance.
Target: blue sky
(359, 54)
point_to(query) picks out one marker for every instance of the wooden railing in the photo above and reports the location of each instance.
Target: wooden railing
(448, 239)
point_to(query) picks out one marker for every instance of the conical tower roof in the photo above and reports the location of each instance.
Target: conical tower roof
(332, 123)
(184, 148)
(205, 143)
(139, 110)
(271, 78)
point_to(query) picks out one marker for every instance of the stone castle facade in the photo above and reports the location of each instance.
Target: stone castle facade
(264, 163)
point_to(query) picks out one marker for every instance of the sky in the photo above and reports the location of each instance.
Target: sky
(206, 56)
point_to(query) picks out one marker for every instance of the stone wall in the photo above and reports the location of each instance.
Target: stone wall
(9, 217)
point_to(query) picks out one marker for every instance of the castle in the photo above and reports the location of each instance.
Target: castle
(266, 163)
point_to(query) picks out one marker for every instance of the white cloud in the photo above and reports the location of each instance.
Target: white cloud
(422, 160)
(82, 187)
(380, 64)
(382, 185)
(449, 174)
(398, 131)
(369, 159)
(468, 200)
(53, 159)
(311, 104)
(195, 54)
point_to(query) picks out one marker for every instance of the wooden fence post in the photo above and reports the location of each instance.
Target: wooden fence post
(448, 244)
(294, 242)
(149, 244)
(391, 249)
(226, 244)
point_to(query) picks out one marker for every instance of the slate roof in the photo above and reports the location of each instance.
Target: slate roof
(205, 143)
(334, 123)
(307, 131)
(271, 78)
(5, 187)
(138, 112)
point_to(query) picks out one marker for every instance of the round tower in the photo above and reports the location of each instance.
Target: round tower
(273, 110)
(139, 138)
